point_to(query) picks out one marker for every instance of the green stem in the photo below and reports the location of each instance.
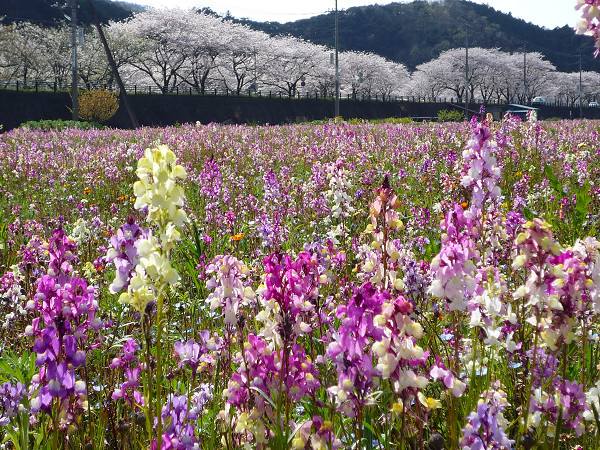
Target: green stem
(402, 420)
(384, 255)
(55, 437)
(159, 369)
(147, 390)
(523, 427)
(456, 366)
(451, 417)
(359, 430)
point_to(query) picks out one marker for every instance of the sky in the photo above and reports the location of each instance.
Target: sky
(546, 13)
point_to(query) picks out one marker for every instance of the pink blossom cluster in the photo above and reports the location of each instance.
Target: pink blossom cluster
(588, 24)
(453, 270)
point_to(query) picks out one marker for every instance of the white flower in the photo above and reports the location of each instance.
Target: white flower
(157, 189)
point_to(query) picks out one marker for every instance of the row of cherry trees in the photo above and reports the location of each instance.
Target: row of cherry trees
(175, 49)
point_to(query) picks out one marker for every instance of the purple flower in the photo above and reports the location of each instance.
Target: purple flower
(179, 434)
(188, 354)
(351, 347)
(123, 253)
(132, 368)
(485, 428)
(10, 402)
(68, 312)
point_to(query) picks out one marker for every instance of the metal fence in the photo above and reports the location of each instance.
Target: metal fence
(137, 89)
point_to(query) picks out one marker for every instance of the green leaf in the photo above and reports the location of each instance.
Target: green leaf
(556, 444)
(13, 437)
(432, 248)
(553, 181)
(369, 427)
(529, 214)
(9, 371)
(583, 198)
(266, 397)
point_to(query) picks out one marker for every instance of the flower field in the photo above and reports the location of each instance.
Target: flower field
(337, 286)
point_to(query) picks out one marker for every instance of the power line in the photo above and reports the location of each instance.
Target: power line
(30, 20)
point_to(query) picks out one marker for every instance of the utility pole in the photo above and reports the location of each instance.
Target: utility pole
(467, 76)
(74, 90)
(580, 91)
(524, 72)
(337, 72)
(113, 66)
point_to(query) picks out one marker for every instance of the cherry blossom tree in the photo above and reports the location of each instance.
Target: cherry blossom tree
(486, 69)
(162, 35)
(173, 48)
(591, 86)
(92, 64)
(237, 65)
(539, 74)
(55, 51)
(565, 87)
(33, 52)
(322, 79)
(446, 71)
(205, 44)
(423, 83)
(508, 77)
(20, 58)
(367, 74)
(288, 60)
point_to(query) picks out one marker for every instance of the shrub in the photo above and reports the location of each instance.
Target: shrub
(98, 105)
(394, 120)
(58, 125)
(450, 115)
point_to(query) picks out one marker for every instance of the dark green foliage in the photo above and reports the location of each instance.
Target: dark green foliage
(450, 115)
(58, 125)
(582, 201)
(51, 12)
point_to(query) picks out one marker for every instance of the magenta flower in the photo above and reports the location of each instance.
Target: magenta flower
(129, 390)
(453, 269)
(350, 349)
(68, 312)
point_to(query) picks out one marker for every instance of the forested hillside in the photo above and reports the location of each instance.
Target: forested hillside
(413, 33)
(51, 12)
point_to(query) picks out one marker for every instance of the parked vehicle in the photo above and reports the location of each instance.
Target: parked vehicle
(538, 101)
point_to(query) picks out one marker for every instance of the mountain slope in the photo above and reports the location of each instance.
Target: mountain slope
(51, 12)
(413, 33)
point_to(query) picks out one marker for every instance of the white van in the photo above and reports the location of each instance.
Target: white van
(538, 101)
